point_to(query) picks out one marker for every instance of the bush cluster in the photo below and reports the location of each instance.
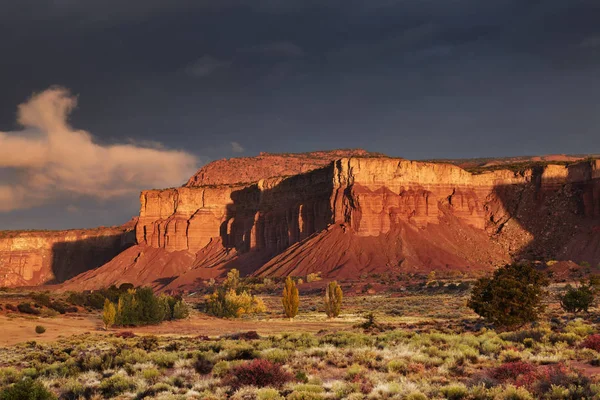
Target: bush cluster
(231, 300)
(142, 307)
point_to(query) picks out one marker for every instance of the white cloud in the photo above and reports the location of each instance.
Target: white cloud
(237, 148)
(206, 65)
(49, 159)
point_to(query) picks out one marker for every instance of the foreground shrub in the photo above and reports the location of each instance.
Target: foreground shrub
(26, 389)
(455, 391)
(333, 299)
(511, 298)
(115, 385)
(290, 298)
(258, 373)
(512, 370)
(592, 342)
(40, 329)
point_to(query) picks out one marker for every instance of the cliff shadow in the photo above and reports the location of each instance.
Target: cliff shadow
(547, 220)
(262, 220)
(73, 258)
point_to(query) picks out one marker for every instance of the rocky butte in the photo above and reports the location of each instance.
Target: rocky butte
(349, 212)
(30, 258)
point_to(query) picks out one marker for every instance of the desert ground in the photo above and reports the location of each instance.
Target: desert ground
(419, 343)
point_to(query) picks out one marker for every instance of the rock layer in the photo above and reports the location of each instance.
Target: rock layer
(29, 258)
(360, 214)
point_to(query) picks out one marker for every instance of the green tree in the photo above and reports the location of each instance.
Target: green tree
(333, 299)
(166, 313)
(148, 310)
(126, 309)
(511, 298)
(109, 314)
(291, 298)
(577, 299)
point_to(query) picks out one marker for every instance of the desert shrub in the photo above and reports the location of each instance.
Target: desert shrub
(455, 391)
(550, 376)
(333, 299)
(290, 298)
(26, 389)
(577, 299)
(592, 342)
(181, 310)
(229, 304)
(268, 394)
(203, 366)
(313, 277)
(148, 343)
(109, 314)
(40, 329)
(41, 298)
(26, 308)
(10, 307)
(579, 328)
(511, 298)
(115, 385)
(77, 299)
(95, 300)
(510, 371)
(259, 373)
(514, 393)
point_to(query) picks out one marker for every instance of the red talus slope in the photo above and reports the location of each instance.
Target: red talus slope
(363, 214)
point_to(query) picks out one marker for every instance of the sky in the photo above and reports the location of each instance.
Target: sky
(100, 99)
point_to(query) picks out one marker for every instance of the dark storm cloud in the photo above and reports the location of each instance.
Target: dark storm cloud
(413, 78)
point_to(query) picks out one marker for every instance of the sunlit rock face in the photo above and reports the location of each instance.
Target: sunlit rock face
(345, 214)
(30, 258)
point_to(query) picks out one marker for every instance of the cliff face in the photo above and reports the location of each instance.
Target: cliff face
(29, 258)
(361, 214)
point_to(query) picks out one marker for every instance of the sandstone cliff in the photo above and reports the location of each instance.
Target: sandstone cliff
(29, 258)
(357, 214)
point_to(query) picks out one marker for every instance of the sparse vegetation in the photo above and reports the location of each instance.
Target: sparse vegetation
(419, 343)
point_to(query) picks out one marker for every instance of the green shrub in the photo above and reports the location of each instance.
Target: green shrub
(455, 391)
(115, 385)
(181, 310)
(26, 389)
(577, 299)
(41, 298)
(40, 329)
(511, 298)
(26, 308)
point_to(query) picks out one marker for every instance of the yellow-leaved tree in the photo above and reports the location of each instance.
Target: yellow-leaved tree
(333, 299)
(109, 313)
(291, 298)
